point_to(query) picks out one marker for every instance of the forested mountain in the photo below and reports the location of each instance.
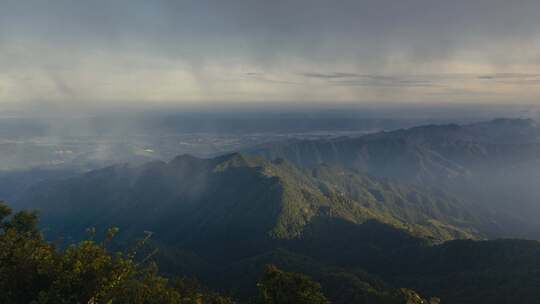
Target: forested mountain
(212, 217)
(493, 167)
(33, 270)
(427, 154)
(497, 271)
(190, 199)
(15, 183)
(224, 219)
(361, 233)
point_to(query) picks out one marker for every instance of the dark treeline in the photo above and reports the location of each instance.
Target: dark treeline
(33, 270)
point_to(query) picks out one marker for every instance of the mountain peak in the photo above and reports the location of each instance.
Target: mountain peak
(237, 159)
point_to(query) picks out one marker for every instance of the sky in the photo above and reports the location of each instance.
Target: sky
(206, 52)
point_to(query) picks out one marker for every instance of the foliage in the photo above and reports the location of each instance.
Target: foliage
(34, 271)
(280, 287)
(470, 272)
(220, 218)
(241, 196)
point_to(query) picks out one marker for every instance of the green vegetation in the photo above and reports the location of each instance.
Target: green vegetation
(470, 272)
(223, 220)
(244, 196)
(279, 287)
(34, 271)
(491, 166)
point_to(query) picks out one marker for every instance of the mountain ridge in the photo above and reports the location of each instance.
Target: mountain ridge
(241, 184)
(502, 155)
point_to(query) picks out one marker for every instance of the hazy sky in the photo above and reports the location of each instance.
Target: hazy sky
(263, 51)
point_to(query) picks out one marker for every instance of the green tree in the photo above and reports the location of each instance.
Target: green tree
(280, 287)
(34, 271)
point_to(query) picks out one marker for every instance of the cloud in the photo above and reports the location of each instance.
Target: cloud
(334, 75)
(204, 50)
(512, 78)
(378, 80)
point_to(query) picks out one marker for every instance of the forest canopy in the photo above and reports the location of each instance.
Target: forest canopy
(33, 270)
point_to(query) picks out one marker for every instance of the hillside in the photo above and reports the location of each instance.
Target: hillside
(428, 153)
(213, 217)
(223, 219)
(189, 199)
(469, 272)
(492, 166)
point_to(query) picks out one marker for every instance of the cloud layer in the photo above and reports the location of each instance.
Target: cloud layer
(210, 51)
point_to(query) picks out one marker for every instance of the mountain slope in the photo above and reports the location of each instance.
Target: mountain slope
(423, 154)
(214, 217)
(189, 198)
(224, 218)
(493, 166)
(469, 272)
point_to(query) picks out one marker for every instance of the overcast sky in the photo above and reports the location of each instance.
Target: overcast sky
(204, 52)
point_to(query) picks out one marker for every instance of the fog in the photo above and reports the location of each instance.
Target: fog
(84, 140)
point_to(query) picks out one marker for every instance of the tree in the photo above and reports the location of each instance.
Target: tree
(280, 287)
(34, 271)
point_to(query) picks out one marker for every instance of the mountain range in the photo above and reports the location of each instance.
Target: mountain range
(188, 199)
(493, 167)
(364, 216)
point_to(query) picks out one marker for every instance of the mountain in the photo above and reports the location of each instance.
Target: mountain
(469, 272)
(363, 238)
(17, 182)
(241, 196)
(492, 166)
(423, 154)
(212, 216)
